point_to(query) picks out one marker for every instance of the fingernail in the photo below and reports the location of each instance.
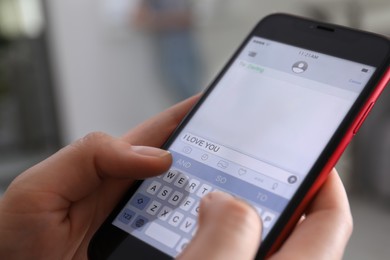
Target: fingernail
(150, 151)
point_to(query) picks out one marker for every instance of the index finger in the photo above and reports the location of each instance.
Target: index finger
(326, 229)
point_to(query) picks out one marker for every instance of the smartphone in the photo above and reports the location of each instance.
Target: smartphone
(268, 130)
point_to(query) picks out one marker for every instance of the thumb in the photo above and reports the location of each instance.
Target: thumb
(228, 229)
(78, 169)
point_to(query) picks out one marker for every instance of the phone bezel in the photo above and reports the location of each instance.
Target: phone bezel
(301, 32)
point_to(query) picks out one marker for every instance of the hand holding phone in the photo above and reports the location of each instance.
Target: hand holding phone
(50, 222)
(322, 234)
(253, 101)
(268, 130)
(51, 210)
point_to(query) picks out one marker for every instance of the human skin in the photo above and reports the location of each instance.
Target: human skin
(52, 210)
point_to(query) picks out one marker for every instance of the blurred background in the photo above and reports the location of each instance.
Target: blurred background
(71, 67)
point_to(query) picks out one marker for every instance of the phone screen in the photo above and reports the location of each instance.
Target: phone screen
(256, 136)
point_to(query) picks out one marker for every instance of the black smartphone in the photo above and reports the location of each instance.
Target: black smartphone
(268, 130)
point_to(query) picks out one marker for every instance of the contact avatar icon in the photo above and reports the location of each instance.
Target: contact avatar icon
(299, 67)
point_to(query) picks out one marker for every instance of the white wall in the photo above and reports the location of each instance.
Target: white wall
(104, 78)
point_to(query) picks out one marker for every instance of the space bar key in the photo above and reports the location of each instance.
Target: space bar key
(162, 234)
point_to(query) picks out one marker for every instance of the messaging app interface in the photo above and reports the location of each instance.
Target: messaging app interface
(256, 136)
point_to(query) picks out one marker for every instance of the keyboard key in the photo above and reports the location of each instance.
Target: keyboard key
(153, 208)
(140, 201)
(268, 218)
(162, 234)
(204, 189)
(153, 188)
(126, 216)
(182, 245)
(139, 222)
(175, 198)
(164, 213)
(195, 210)
(181, 180)
(187, 203)
(192, 185)
(188, 224)
(170, 176)
(176, 218)
(164, 192)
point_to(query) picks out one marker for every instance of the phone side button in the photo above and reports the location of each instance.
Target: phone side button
(162, 235)
(361, 120)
